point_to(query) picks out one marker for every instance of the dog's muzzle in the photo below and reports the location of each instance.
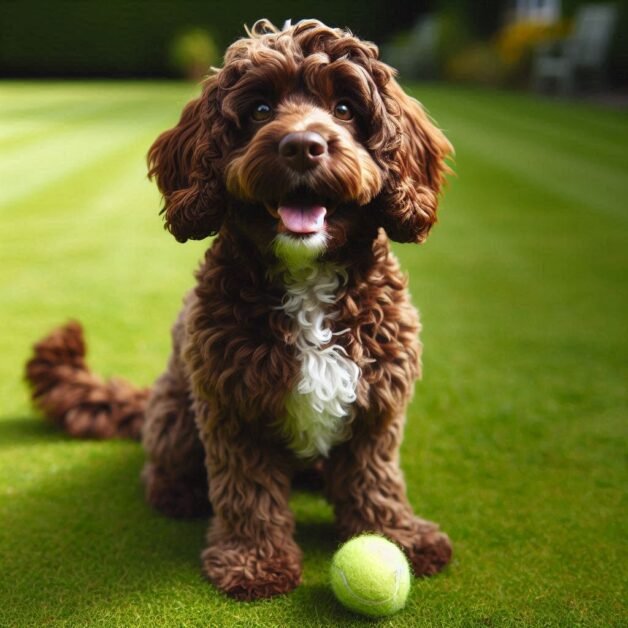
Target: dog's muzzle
(302, 150)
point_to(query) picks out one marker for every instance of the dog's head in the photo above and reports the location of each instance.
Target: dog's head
(301, 142)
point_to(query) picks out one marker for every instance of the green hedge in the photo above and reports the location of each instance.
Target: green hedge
(131, 37)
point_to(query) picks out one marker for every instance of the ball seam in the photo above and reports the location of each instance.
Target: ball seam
(365, 601)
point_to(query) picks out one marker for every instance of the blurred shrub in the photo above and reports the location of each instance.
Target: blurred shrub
(478, 63)
(506, 58)
(192, 52)
(443, 46)
(424, 50)
(515, 44)
(481, 18)
(454, 36)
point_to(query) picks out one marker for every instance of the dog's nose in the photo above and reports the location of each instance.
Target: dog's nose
(302, 150)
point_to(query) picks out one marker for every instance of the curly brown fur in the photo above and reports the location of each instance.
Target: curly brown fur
(69, 394)
(366, 487)
(298, 347)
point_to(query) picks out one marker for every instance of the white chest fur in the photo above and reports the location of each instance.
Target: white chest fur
(318, 408)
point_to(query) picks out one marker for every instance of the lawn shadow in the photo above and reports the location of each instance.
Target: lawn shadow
(82, 539)
(320, 603)
(27, 430)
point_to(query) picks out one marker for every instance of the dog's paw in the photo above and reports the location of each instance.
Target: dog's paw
(174, 497)
(427, 548)
(429, 553)
(246, 575)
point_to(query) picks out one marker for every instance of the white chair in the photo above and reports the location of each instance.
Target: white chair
(581, 55)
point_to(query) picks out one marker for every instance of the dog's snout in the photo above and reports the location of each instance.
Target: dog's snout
(302, 150)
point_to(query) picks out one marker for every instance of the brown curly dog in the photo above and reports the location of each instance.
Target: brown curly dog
(299, 343)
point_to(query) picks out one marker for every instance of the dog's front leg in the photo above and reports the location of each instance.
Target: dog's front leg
(366, 486)
(251, 551)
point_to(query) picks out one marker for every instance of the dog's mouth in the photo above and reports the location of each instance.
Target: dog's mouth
(301, 213)
(302, 219)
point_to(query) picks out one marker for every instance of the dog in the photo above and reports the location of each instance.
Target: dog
(298, 347)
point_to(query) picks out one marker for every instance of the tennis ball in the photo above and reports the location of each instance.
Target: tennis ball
(370, 575)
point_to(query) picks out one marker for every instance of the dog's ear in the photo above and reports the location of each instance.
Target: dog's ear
(417, 169)
(183, 162)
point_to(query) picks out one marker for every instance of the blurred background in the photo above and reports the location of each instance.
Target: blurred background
(567, 46)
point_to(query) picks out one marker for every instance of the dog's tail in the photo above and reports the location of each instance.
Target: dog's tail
(74, 398)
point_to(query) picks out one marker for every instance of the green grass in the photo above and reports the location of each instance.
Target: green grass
(516, 439)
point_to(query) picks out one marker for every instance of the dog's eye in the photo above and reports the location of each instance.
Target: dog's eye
(261, 112)
(343, 110)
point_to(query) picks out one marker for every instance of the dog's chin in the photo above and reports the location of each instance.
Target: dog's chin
(301, 228)
(297, 251)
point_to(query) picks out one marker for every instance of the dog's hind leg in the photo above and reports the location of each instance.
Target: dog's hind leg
(174, 475)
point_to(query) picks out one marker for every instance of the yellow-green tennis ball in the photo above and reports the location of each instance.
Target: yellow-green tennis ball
(370, 575)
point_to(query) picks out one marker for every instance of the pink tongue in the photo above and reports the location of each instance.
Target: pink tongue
(302, 219)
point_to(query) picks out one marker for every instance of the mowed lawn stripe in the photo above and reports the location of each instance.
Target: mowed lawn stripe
(582, 144)
(100, 197)
(573, 118)
(26, 97)
(556, 171)
(43, 163)
(18, 130)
